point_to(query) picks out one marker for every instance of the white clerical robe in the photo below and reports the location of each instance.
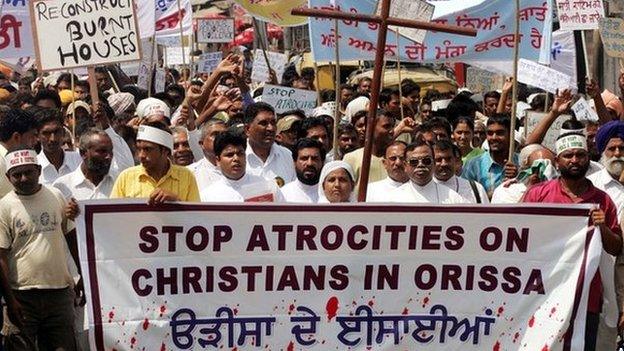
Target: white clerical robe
(432, 192)
(205, 173)
(249, 188)
(299, 192)
(463, 188)
(380, 191)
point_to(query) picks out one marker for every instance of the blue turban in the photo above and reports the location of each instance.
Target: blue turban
(613, 129)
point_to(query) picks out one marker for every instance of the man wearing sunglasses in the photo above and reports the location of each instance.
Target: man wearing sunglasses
(421, 188)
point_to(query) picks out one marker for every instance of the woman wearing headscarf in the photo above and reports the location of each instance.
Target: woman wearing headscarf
(337, 183)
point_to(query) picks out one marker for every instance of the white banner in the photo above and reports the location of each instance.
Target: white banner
(209, 276)
(285, 99)
(579, 14)
(536, 75)
(260, 71)
(215, 30)
(72, 33)
(176, 56)
(147, 17)
(168, 18)
(15, 30)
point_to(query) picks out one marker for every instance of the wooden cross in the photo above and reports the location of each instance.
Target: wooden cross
(384, 21)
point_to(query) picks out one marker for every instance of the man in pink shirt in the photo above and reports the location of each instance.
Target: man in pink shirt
(572, 187)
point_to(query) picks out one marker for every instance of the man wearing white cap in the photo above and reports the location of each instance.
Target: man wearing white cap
(17, 127)
(156, 178)
(154, 110)
(573, 187)
(34, 273)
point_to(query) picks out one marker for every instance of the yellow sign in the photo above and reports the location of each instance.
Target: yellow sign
(275, 11)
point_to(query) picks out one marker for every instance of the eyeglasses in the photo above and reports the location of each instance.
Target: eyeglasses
(426, 161)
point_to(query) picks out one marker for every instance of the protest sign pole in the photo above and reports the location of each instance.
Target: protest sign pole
(586, 59)
(399, 71)
(337, 89)
(181, 17)
(150, 79)
(514, 101)
(112, 78)
(95, 98)
(73, 89)
(316, 78)
(262, 45)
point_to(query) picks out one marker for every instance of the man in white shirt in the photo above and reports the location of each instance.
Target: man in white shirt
(181, 154)
(394, 163)
(93, 179)
(447, 159)
(205, 170)
(17, 127)
(236, 184)
(421, 188)
(265, 157)
(309, 157)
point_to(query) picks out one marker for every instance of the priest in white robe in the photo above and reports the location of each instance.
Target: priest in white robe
(394, 163)
(309, 157)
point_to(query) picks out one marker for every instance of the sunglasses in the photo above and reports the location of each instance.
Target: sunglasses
(426, 161)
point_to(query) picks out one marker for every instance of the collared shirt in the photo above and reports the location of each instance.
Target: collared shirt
(472, 154)
(76, 185)
(380, 191)
(377, 170)
(552, 192)
(298, 192)
(5, 184)
(134, 182)
(605, 182)
(432, 192)
(278, 166)
(205, 173)
(462, 187)
(485, 171)
(249, 188)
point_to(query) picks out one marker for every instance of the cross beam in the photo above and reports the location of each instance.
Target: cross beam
(384, 21)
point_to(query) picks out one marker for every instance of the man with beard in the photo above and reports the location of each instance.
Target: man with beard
(447, 159)
(309, 157)
(182, 154)
(205, 170)
(266, 158)
(573, 187)
(394, 163)
(238, 185)
(491, 168)
(421, 188)
(347, 140)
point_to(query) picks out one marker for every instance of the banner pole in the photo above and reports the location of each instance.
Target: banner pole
(317, 80)
(181, 17)
(400, 80)
(95, 97)
(150, 78)
(263, 45)
(112, 78)
(588, 73)
(514, 101)
(337, 89)
(73, 89)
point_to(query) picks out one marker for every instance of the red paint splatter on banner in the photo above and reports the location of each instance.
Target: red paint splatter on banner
(111, 315)
(132, 342)
(496, 346)
(331, 308)
(235, 349)
(290, 347)
(552, 311)
(163, 347)
(516, 336)
(235, 311)
(545, 348)
(291, 308)
(145, 324)
(371, 303)
(163, 309)
(425, 301)
(405, 311)
(531, 321)
(500, 311)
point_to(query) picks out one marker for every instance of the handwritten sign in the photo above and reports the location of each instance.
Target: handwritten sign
(414, 10)
(72, 33)
(533, 118)
(580, 14)
(15, 31)
(583, 111)
(536, 75)
(277, 277)
(260, 71)
(284, 99)
(482, 81)
(208, 62)
(174, 55)
(143, 76)
(612, 34)
(160, 80)
(215, 30)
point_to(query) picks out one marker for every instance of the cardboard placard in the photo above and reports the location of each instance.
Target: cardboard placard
(533, 118)
(410, 9)
(584, 112)
(612, 34)
(208, 62)
(260, 72)
(536, 75)
(284, 99)
(74, 33)
(174, 55)
(482, 81)
(215, 30)
(160, 79)
(579, 14)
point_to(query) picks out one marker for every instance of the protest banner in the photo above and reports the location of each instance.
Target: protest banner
(175, 55)
(536, 75)
(285, 99)
(410, 9)
(275, 11)
(579, 14)
(482, 81)
(612, 34)
(168, 18)
(147, 18)
(260, 71)
(494, 21)
(74, 33)
(160, 80)
(532, 119)
(307, 277)
(208, 62)
(583, 111)
(215, 30)
(15, 30)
